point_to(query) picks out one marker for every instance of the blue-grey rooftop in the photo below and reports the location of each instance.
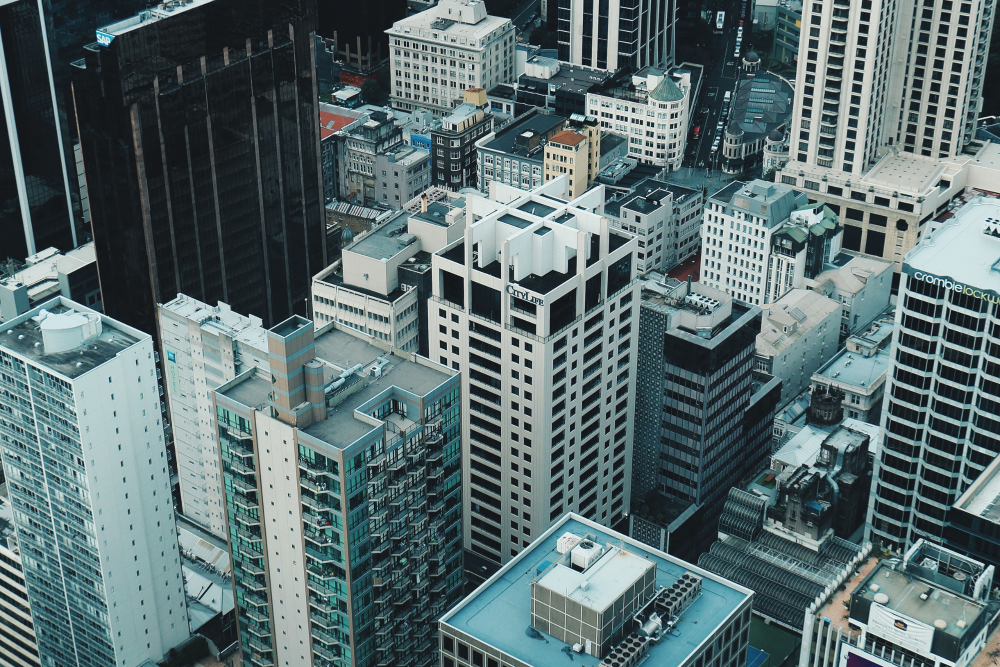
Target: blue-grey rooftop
(499, 611)
(772, 201)
(855, 370)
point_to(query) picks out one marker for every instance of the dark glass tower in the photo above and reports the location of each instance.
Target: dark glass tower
(360, 28)
(35, 209)
(199, 129)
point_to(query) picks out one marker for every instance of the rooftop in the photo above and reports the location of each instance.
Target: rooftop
(567, 138)
(499, 611)
(407, 156)
(568, 77)
(646, 196)
(514, 139)
(385, 241)
(772, 201)
(331, 122)
(763, 103)
(790, 317)
(852, 271)
(248, 330)
(437, 22)
(804, 447)
(854, 370)
(23, 337)
(961, 250)
(602, 583)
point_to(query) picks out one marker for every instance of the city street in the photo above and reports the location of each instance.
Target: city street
(720, 76)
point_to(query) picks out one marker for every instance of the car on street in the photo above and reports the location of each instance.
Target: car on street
(703, 111)
(697, 132)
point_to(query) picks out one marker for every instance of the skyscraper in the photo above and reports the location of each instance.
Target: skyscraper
(360, 29)
(35, 207)
(350, 563)
(199, 127)
(97, 541)
(698, 407)
(536, 304)
(942, 397)
(612, 35)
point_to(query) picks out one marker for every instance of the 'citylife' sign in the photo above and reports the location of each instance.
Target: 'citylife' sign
(104, 39)
(524, 296)
(952, 285)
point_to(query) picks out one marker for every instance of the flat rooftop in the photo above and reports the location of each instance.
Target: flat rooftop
(606, 580)
(905, 172)
(220, 319)
(904, 591)
(22, 335)
(959, 249)
(383, 242)
(506, 140)
(855, 370)
(499, 611)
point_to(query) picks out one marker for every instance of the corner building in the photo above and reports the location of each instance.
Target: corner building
(98, 543)
(942, 400)
(342, 483)
(537, 305)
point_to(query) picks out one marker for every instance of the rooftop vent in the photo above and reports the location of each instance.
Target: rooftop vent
(67, 330)
(586, 554)
(567, 542)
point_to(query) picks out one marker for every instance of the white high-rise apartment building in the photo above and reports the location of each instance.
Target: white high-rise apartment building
(439, 53)
(86, 466)
(203, 346)
(885, 73)
(537, 306)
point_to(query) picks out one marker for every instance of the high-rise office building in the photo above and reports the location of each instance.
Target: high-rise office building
(343, 485)
(98, 540)
(942, 398)
(36, 211)
(359, 29)
(536, 304)
(439, 53)
(17, 634)
(697, 407)
(203, 347)
(192, 191)
(630, 33)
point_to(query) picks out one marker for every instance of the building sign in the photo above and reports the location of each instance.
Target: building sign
(524, 296)
(903, 632)
(950, 284)
(104, 39)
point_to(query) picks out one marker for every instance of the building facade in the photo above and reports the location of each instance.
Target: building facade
(936, 445)
(178, 209)
(18, 647)
(203, 347)
(440, 52)
(665, 218)
(801, 248)
(696, 387)
(49, 273)
(82, 388)
(627, 107)
(514, 155)
(787, 28)
(454, 159)
(762, 104)
(363, 144)
(401, 174)
(536, 305)
(569, 153)
(34, 182)
(798, 334)
(345, 525)
(611, 36)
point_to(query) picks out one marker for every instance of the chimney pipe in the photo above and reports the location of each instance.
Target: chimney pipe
(689, 283)
(423, 203)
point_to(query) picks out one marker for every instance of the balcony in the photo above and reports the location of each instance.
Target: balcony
(258, 645)
(325, 636)
(323, 622)
(320, 556)
(250, 567)
(324, 653)
(248, 521)
(242, 486)
(316, 486)
(253, 584)
(248, 535)
(255, 600)
(256, 615)
(249, 551)
(316, 504)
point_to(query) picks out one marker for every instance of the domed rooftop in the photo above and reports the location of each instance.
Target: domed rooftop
(776, 135)
(751, 57)
(667, 91)
(346, 237)
(735, 129)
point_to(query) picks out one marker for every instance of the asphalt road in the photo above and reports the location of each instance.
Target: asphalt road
(720, 76)
(524, 12)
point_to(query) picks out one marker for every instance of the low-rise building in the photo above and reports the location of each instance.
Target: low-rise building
(401, 174)
(50, 273)
(514, 155)
(377, 134)
(801, 247)
(857, 374)
(334, 124)
(567, 153)
(439, 53)
(587, 595)
(930, 608)
(798, 334)
(381, 284)
(666, 218)
(787, 27)
(651, 108)
(454, 143)
(761, 104)
(860, 284)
